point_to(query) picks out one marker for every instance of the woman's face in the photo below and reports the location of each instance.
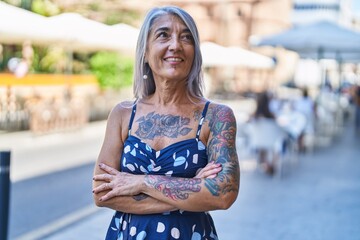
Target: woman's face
(170, 50)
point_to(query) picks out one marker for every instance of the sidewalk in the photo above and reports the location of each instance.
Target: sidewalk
(317, 199)
(30, 154)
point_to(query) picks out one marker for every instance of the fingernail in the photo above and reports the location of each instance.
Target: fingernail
(101, 165)
(100, 199)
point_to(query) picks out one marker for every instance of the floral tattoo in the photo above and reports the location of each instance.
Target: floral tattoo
(222, 149)
(154, 125)
(176, 189)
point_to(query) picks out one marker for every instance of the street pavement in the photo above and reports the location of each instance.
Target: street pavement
(33, 155)
(317, 198)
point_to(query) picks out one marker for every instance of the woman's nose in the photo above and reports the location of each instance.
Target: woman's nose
(175, 43)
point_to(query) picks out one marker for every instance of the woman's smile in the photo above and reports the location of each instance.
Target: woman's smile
(173, 59)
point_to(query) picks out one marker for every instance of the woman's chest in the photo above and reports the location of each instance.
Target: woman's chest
(181, 159)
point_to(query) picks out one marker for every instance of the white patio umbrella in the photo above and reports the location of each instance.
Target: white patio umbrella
(124, 37)
(217, 55)
(18, 25)
(84, 34)
(90, 35)
(251, 59)
(69, 30)
(214, 55)
(319, 40)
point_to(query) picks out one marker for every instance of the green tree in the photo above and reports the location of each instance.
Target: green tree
(45, 7)
(112, 70)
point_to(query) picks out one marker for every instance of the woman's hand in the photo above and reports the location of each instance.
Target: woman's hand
(117, 183)
(209, 171)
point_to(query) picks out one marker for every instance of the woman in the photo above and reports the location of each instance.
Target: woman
(266, 136)
(263, 106)
(305, 106)
(170, 157)
(357, 108)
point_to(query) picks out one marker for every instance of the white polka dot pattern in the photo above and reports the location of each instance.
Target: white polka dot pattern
(175, 233)
(195, 158)
(160, 227)
(132, 231)
(141, 235)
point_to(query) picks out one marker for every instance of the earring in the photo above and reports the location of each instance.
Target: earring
(145, 76)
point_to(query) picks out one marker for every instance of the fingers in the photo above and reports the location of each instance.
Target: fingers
(209, 171)
(107, 196)
(108, 169)
(212, 172)
(212, 176)
(102, 187)
(103, 177)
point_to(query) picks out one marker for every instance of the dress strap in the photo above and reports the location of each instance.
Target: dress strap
(202, 119)
(133, 111)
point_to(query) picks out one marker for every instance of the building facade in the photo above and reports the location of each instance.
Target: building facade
(307, 11)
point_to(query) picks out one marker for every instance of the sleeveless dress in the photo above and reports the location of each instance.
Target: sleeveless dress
(181, 159)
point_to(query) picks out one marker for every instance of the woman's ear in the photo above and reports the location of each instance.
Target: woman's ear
(145, 59)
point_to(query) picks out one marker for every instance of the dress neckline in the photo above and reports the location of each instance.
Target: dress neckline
(168, 146)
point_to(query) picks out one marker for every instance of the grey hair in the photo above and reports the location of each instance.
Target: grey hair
(146, 87)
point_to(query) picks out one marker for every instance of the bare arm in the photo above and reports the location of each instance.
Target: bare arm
(110, 154)
(208, 193)
(195, 194)
(136, 203)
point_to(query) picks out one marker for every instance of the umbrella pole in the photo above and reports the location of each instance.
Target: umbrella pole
(339, 116)
(323, 75)
(340, 64)
(70, 59)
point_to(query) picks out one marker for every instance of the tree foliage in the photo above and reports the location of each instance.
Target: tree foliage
(112, 70)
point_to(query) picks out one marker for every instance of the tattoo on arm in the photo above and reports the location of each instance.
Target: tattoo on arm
(140, 197)
(222, 150)
(154, 125)
(174, 188)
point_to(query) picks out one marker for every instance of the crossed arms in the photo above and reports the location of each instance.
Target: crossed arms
(216, 186)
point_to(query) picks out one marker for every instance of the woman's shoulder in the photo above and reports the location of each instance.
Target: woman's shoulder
(220, 112)
(216, 107)
(122, 108)
(125, 105)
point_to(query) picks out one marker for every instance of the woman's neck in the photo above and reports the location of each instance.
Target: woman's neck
(170, 93)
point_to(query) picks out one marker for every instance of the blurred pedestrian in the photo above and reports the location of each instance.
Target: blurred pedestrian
(275, 104)
(25, 62)
(170, 156)
(357, 108)
(306, 106)
(266, 136)
(263, 106)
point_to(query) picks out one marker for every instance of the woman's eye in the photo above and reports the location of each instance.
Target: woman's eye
(187, 37)
(163, 35)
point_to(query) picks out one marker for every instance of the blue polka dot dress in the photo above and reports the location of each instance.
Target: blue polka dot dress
(181, 159)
